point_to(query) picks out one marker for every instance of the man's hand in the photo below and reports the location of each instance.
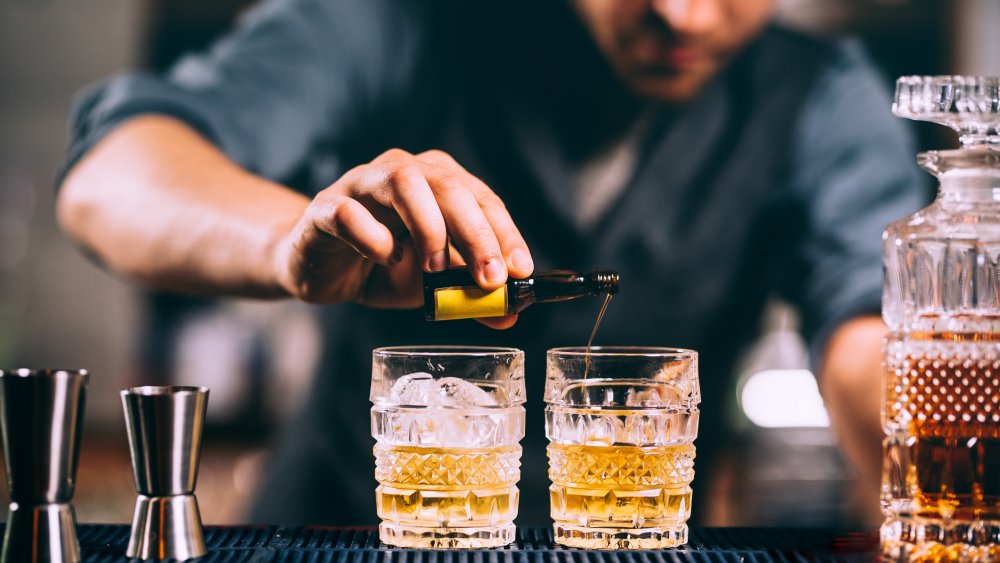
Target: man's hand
(367, 237)
(154, 200)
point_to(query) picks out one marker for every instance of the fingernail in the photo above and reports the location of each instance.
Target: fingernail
(522, 260)
(495, 272)
(438, 261)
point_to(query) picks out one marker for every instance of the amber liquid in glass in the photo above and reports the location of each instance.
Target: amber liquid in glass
(620, 488)
(423, 490)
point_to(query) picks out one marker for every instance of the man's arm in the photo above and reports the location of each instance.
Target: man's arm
(851, 383)
(156, 201)
(854, 173)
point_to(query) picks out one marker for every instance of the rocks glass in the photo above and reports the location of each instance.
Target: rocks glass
(621, 423)
(447, 422)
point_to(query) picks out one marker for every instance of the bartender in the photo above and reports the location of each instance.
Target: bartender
(711, 158)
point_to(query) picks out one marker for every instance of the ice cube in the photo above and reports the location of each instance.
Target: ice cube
(416, 389)
(421, 431)
(485, 430)
(463, 429)
(455, 392)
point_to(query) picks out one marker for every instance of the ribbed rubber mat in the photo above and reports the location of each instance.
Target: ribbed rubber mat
(106, 544)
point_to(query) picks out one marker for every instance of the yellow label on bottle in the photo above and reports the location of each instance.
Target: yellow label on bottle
(469, 303)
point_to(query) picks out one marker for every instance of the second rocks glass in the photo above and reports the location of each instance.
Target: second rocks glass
(621, 423)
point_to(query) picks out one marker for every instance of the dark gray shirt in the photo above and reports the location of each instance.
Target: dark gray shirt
(777, 179)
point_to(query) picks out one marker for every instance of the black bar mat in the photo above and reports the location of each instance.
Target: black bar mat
(106, 544)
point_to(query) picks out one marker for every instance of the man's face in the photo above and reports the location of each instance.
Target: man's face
(666, 50)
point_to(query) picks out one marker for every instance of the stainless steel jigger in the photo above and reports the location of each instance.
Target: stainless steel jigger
(164, 433)
(41, 412)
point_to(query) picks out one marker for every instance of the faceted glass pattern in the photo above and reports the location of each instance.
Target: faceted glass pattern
(430, 427)
(440, 467)
(622, 466)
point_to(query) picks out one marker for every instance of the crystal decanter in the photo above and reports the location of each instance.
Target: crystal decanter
(941, 301)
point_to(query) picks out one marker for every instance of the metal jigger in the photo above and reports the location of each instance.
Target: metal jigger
(42, 417)
(164, 433)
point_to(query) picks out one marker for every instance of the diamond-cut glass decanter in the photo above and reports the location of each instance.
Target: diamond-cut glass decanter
(941, 300)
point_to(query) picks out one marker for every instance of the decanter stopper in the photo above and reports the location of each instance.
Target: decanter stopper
(968, 104)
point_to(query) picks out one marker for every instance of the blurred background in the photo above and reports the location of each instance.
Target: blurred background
(57, 309)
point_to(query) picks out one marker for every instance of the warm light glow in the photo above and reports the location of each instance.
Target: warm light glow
(783, 398)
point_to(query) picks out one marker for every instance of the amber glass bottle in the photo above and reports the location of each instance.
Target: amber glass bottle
(453, 294)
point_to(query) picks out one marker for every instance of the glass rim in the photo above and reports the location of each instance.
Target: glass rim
(163, 390)
(623, 352)
(43, 372)
(445, 351)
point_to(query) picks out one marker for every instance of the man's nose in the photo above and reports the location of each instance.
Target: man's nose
(689, 17)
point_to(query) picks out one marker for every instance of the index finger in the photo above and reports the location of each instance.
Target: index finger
(467, 226)
(515, 251)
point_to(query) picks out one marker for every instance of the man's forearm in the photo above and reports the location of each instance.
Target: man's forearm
(156, 201)
(851, 382)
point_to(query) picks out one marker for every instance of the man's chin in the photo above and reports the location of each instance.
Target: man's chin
(666, 85)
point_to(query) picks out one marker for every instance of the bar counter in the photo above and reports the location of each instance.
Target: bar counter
(106, 544)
